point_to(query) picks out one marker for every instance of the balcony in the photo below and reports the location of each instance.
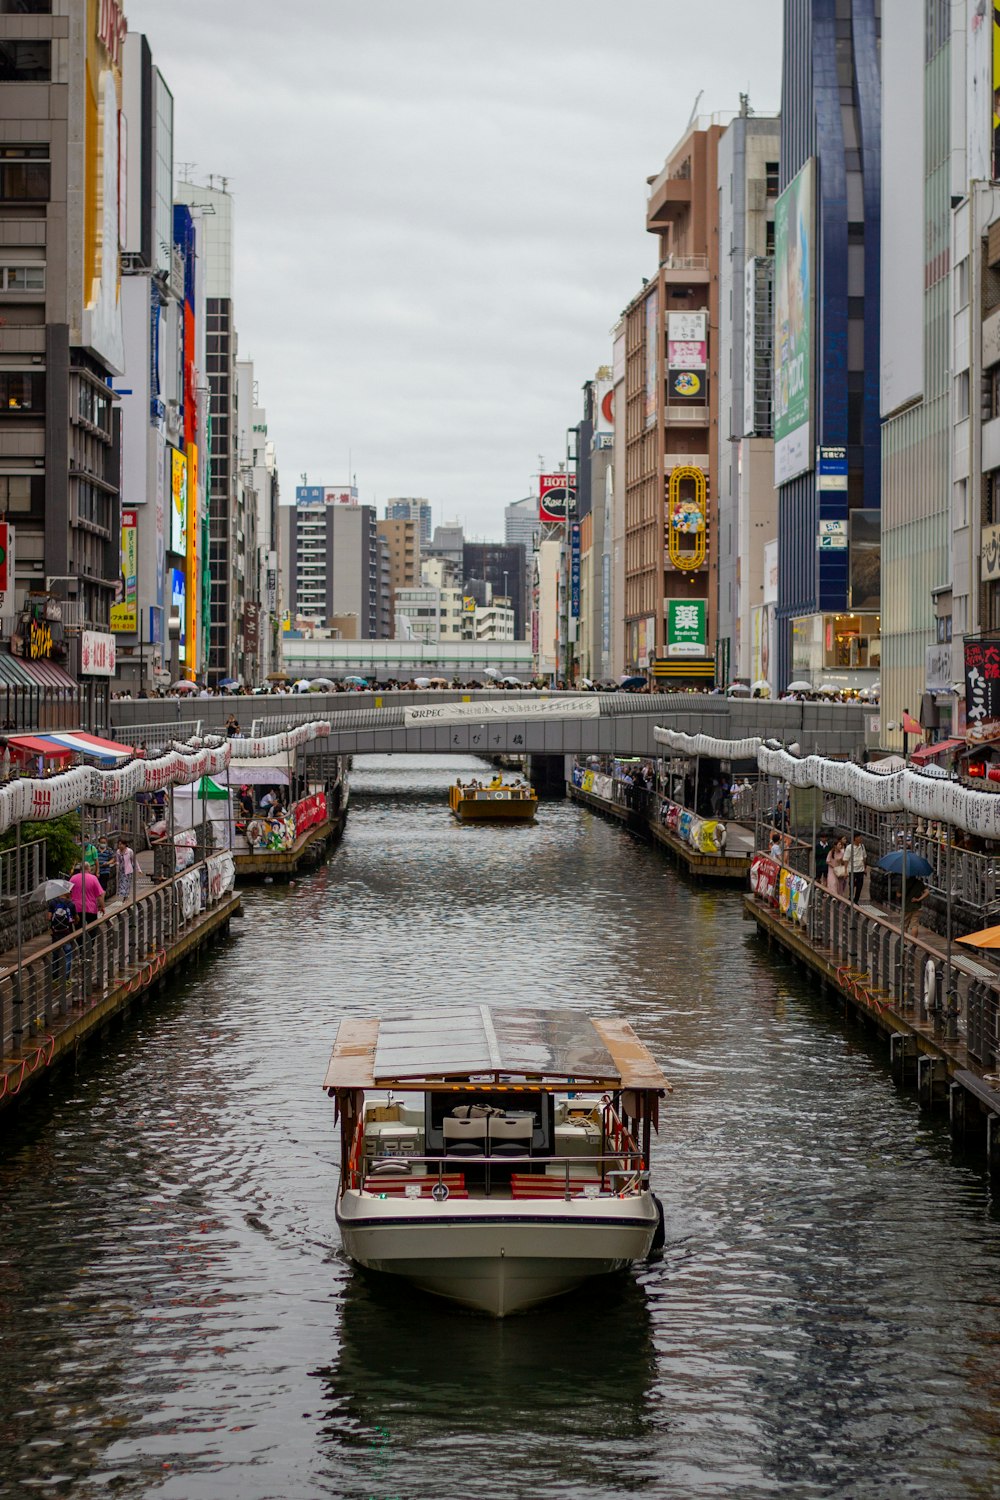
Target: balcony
(673, 461)
(686, 270)
(689, 416)
(669, 200)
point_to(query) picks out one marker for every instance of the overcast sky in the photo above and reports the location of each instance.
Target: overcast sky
(440, 211)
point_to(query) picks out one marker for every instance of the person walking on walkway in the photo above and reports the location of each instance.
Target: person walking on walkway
(857, 860)
(86, 895)
(125, 860)
(836, 868)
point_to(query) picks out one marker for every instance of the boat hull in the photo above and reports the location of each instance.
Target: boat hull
(497, 1262)
(469, 810)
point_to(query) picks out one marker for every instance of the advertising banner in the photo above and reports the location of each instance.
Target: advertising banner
(996, 90)
(794, 216)
(686, 627)
(554, 496)
(177, 607)
(6, 570)
(574, 570)
(687, 340)
(97, 654)
(125, 610)
(604, 414)
(309, 811)
(865, 564)
(982, 688)
(478, 713)
(652, 354)
(178, 502)
(686, 385)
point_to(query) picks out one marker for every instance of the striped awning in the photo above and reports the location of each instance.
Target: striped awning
(48, 674)
(64, 743)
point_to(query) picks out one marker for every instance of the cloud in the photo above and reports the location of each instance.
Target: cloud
(440, 211)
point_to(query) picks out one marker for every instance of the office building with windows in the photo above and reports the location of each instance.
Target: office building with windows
(504, 567)
(826, 415)
(333, 561)
(747, 502)
(405, 508)
(61, 313)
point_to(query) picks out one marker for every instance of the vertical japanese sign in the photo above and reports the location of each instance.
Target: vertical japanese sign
(982, 689)
(686, 627)
(574, 570)
(652, 354)
(125, 610)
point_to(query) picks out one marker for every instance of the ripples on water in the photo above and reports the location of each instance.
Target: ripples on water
(176, 1318)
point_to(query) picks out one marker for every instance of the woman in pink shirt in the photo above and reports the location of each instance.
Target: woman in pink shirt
(86, 894)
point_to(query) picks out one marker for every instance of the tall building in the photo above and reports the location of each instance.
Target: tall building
(747, 502)
(672, 353)
(400, 537)
(151, 392)
(258, 473)
(405, 508)
(332, 563)
(447, 541)
(504, 567)
(228, 520)
(521, 524)
(62, 327)
(594, 458)
(923, 172)
(827, 438)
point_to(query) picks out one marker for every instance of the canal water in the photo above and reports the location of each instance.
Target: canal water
(177, 1320)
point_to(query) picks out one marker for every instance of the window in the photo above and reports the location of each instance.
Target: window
(25, 62)
(94, 406)
(943, 624)
(21, 494)
(25, 7)
(772, 173)
(24, 174)
(93, 505)
(30, 278)
(769, 237)
(962, 284)
(962, 396)
(21, 391)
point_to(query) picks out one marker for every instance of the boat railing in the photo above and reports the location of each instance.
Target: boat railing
(626, 1168)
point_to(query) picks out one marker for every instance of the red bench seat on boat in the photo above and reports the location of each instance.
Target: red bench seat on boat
(535, 1185)
(396, 1186)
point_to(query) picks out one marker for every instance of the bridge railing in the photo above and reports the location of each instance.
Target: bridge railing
(128, 944)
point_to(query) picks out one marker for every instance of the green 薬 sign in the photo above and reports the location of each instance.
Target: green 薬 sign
(686, 633)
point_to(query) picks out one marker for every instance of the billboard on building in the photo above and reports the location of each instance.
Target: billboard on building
(178, 611)
(7, 591)
(102, 102)
(604, 414)
(574, 570)
(652, 354)
(982, 688)
(794, 256)
(686, 634)
(555, 498)
(125, 610)
(996, 90)
(178, 502)
(687, 340)
(865, 560)
(97, 654)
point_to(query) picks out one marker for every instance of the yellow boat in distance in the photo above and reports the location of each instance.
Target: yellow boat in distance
(497, 800)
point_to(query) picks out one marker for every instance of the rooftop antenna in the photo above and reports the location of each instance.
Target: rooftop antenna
(694, 112)
(186, 168)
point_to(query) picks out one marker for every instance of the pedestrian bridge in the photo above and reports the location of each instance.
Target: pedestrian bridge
(456, 722)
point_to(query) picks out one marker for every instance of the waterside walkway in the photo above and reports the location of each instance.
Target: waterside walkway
(645, 811)
(938, 1005)
(64, 993)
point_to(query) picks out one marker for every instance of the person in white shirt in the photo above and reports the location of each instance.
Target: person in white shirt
(857, 860)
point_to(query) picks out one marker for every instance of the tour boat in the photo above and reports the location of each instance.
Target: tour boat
(497, 1158)
(497, 800)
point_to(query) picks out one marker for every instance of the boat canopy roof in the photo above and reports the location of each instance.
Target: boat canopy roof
(473, 1046)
